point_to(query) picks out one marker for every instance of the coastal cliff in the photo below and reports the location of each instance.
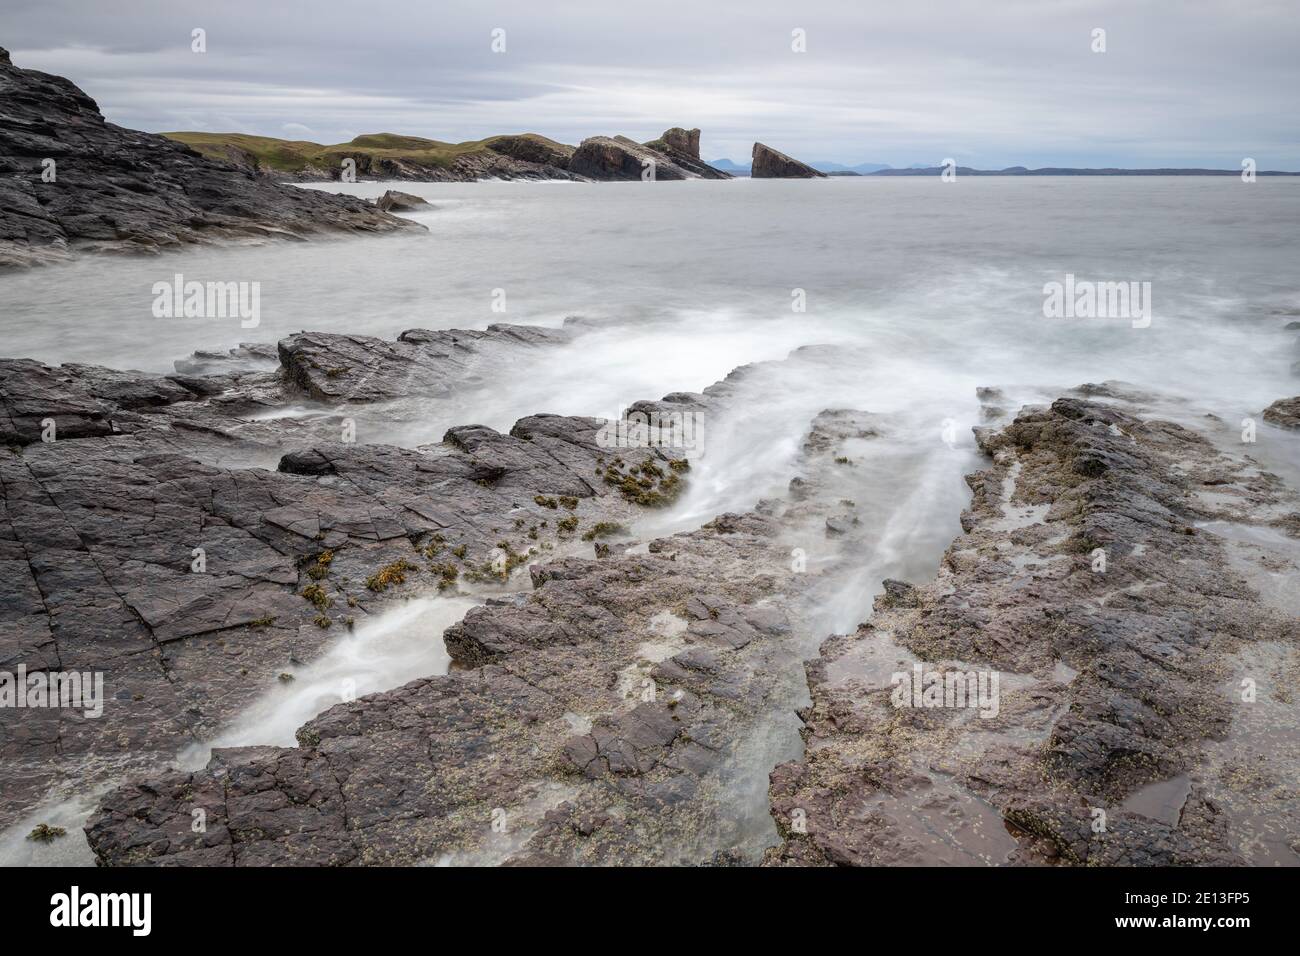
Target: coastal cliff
(71, 182)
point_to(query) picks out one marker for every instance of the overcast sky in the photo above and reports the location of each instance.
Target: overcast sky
(990, 83)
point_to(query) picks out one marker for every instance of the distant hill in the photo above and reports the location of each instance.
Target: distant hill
(388, 154)
(727, 166)
(1073, 171)
(862, 169)
(674, 155)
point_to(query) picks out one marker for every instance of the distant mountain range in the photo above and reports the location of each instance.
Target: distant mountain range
(862, 169)
(1074, 171)
(880, 169)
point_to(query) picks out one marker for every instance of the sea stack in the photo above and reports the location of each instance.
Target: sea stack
(675, 155)
(770, 164)
(682, 146)
(617, 157)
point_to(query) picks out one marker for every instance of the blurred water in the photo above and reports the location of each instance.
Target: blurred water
(921, 291)
(924, 289)
(398, 646)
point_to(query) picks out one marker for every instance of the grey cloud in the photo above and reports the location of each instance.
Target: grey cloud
(988, 84)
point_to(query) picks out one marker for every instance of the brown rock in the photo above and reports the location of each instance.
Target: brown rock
(770, 164)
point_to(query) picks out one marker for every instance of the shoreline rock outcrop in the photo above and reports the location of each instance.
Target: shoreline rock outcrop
(674, 156)
(627, 709)
(525, 156)
(1117, 573)
(70, 182)
(609, 158)
(619, 713)
(189, 585)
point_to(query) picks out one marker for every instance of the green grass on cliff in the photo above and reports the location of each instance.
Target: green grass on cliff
(294, 155)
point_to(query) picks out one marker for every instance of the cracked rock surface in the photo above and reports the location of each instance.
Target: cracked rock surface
(1111, 572)
(624, 711)
(189, 586)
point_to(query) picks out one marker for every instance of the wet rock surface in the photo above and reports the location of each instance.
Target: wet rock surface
(628, 707)
(1284, 412)
(359, 368)
(1090, 579)
(624, 711)
(189, 585)
(72, 183)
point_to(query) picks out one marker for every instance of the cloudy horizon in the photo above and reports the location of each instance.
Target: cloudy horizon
(1190, 85)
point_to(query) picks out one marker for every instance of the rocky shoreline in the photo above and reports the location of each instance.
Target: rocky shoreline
(673, 156)
(1109, 573)
(136, 548)
(1100, 671)
(629, 705)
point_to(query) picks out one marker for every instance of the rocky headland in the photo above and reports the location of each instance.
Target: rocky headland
(72, 183)
(525, 156)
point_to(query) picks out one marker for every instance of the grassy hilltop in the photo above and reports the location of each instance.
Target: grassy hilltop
(297, 156)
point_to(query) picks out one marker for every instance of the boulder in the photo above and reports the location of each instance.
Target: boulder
(395, 201)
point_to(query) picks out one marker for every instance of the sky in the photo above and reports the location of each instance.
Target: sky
(993, 83)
